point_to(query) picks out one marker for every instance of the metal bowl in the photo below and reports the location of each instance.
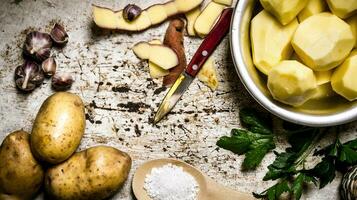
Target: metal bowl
(318, 113)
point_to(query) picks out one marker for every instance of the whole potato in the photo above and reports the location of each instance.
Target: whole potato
(58, 127)
(21, 176)
(95, 173)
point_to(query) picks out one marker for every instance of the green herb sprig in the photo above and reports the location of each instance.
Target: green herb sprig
(288, 168)
(255, 141)
(336, 157)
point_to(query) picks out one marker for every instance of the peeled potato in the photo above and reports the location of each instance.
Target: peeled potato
(191, 19)
(224, 2)
(294, 56)
(155, 70)
(158, 54)
(291, 82)
(344, 80)
(343, 8)
(208, 74)
(270, 41)
(352, 21)
(208, 17)
(323, 41)
(313, 7)
(155, 14)
(185, 6)
(323, 77)
(171, 8)
(284, 10)
(323, 91)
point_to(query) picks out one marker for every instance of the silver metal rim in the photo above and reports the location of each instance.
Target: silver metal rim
(295, 117)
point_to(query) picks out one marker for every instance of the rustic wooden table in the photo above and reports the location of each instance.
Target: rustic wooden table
(121, 97)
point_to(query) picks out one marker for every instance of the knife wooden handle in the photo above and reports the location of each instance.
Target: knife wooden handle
(210, 43)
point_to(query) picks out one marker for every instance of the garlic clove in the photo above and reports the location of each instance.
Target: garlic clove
(30, 86)
(28, 76)
(49, 66)
(43, 54)
(59, 35)
(131, 12)
(38, 45)
(62, 81)
(38, 78)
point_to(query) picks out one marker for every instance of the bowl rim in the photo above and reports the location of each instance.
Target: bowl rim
(291, 116)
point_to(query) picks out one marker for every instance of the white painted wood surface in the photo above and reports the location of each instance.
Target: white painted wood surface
(120, 97)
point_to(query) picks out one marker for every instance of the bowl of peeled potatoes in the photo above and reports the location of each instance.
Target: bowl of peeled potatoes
(298, 58)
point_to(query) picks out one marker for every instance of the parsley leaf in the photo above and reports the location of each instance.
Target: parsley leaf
(301, 138)
(299, 182)
(352, 144)
(275, 191)
(288, 167)
(347, 155)
(255, 124)
(324, 171)
(258, 150)
(281, 166)
(336, 157)
(253, 145)
(286, 164)
(236, 144)
(255, 141)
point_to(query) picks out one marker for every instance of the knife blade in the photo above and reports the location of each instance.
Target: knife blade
(185, 79)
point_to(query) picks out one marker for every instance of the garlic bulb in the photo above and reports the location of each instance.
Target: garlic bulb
(38, 45)
(348, 189)
(28, 76)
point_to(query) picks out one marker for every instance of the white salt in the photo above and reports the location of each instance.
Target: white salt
(170, 182)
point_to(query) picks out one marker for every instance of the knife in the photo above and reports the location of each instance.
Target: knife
(185, 79)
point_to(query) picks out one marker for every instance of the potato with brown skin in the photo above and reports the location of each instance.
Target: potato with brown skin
(96, 173)
(58, 127)
(21, 176)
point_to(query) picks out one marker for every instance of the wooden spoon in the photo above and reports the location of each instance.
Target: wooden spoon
(208, 189)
